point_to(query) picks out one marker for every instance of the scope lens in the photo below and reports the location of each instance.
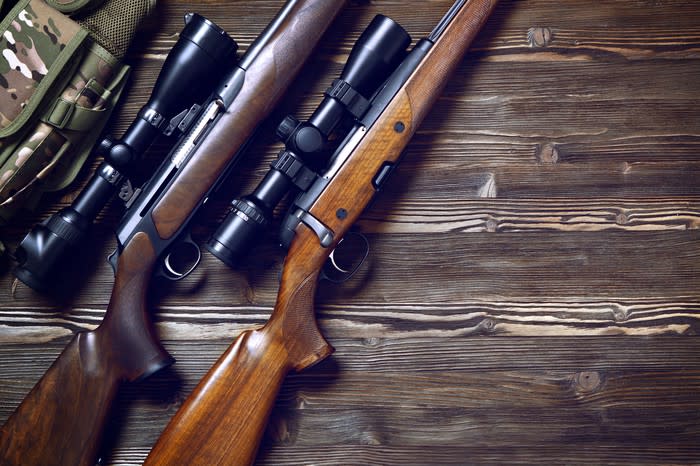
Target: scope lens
(200, 58)
(209, 37)
(375, 55)
(377, 52)
(203, 54)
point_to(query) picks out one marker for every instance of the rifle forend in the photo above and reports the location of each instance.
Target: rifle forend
(60, 422)
(223, 420)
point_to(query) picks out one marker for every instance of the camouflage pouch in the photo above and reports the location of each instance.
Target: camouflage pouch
(60, 78)
(73, 6)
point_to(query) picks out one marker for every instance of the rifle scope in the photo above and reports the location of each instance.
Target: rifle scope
(375, 55)
(202, 56)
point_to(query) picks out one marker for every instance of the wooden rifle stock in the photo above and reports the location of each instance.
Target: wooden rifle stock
(223, 420)
(61, 420)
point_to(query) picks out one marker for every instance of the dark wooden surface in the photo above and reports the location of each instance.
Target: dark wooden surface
(533, 290)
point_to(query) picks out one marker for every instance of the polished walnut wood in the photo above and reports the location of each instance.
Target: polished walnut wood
(540, 234)
(223, 420)
(61, 420)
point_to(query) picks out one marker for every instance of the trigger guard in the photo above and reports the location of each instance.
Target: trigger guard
(169, 272)
(331, 257)
(347, 274)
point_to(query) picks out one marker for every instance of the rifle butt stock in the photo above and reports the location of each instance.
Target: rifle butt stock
(60, 422)
(234, 399)
(223, 421)
(75, 415)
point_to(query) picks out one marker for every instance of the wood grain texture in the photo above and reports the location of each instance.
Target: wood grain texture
(531, 293)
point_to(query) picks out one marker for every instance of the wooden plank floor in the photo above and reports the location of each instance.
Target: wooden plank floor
(533, 290)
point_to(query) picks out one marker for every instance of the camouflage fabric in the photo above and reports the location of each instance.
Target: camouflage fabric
(30, 164)
(43, 159)
(30, 45)
(38, 46)
(58, 86)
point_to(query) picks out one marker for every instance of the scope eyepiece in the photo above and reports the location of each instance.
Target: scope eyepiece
(46, 247)
(378, 51)
(238, 230)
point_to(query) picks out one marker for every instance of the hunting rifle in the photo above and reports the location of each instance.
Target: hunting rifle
(60, 422)
(223, 420)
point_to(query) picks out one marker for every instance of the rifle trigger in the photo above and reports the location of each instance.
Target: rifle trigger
(347, 257)
(181, 260)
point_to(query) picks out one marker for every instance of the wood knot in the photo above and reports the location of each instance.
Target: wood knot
(548, 153)
(588, 381)
(620, 315)
(488, 325)
(488, 189)
(539, 36)
(13, 288)
(621, 219)
(370, 438)
(249, 293)
(491, 225)
(371, 342)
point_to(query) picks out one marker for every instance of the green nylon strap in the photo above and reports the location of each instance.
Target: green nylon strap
(69, 170)
(69, 115)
